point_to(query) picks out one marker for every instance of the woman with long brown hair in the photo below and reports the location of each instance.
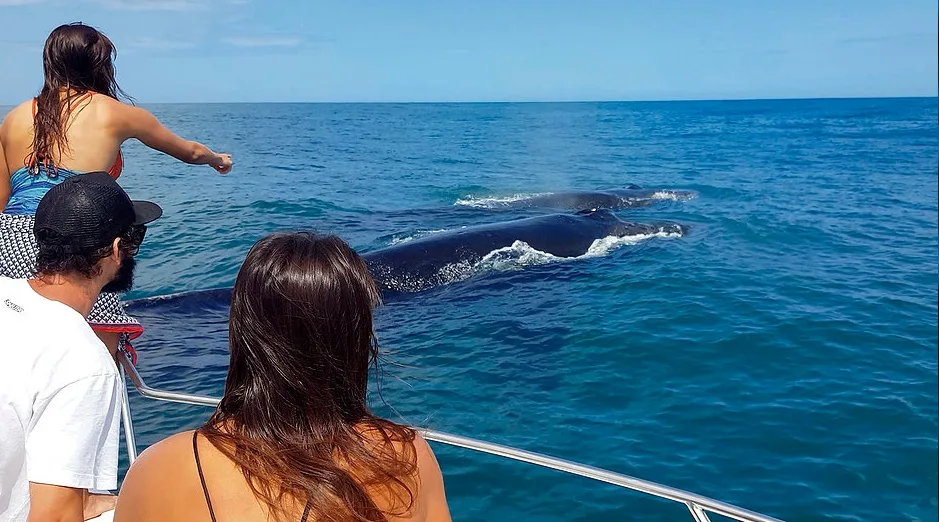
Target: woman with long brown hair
(75, 125)
(293, 437)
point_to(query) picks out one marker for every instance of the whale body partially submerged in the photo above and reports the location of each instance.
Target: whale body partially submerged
(429, 261)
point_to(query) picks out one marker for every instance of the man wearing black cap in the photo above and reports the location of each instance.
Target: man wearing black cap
(60, 392)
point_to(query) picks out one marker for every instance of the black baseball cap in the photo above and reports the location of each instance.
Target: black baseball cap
(88, 211)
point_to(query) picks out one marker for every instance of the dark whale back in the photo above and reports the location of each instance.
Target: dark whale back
(429, 260)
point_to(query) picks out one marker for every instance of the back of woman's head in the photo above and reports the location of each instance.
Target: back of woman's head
(79, 57)
(294, 415)
(301, 327)
(76, 59)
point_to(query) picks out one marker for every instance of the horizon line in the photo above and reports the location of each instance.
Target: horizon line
(559, 101)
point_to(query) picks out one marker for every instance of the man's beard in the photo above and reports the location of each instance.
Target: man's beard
(124, 280)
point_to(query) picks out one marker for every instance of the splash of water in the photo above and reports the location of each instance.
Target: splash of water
(472, 201)
(671, 195)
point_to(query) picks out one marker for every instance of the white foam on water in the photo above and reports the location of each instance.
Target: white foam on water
(671, 195)
(521, 254)
(472, 201)
(605, 245)
(517, 255)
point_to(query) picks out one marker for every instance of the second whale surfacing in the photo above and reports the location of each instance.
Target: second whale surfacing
(630, 196)
(440, 258)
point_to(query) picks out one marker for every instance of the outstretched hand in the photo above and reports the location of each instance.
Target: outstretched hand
(222, 164)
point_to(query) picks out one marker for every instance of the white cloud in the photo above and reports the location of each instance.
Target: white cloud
(264, 42)
(160, 44)
(156, 5)
(144, 5)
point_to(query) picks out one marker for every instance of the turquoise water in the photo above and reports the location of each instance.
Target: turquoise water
(782, 356)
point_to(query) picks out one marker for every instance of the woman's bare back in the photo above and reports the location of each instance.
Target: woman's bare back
(93, 139)
(163, 485)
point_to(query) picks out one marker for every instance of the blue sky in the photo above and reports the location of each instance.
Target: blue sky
(484, 50)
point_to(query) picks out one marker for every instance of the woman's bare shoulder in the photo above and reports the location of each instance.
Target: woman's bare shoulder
(422, 448)
(425, 481)
(18, 116)
(120, 109)
(114, 110)
(126, 119)
(153, 485)
(407, 443)
(382, 436)
(434, 506)
(111, 103)
(164, 457)
(174, 443)
(26, 106)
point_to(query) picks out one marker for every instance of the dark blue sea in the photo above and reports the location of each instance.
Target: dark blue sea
(781, 356)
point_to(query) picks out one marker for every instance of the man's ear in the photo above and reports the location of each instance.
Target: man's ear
(116, 250)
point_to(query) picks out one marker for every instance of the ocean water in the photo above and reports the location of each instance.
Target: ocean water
(781, 356)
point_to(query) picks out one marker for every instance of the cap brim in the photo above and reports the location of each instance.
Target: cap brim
(146, 212)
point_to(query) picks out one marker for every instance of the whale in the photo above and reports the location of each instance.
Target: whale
(443, 257)
(629, 196)
(431, 260)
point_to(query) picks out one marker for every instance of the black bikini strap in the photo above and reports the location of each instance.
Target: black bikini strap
(205, 490)
(195, 451)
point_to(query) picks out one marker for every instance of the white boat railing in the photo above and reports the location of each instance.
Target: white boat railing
(698, 505)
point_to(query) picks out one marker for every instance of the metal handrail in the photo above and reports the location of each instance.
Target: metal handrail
(698, 505)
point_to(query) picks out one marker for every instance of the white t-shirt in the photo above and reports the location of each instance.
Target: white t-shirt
(60, 400)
